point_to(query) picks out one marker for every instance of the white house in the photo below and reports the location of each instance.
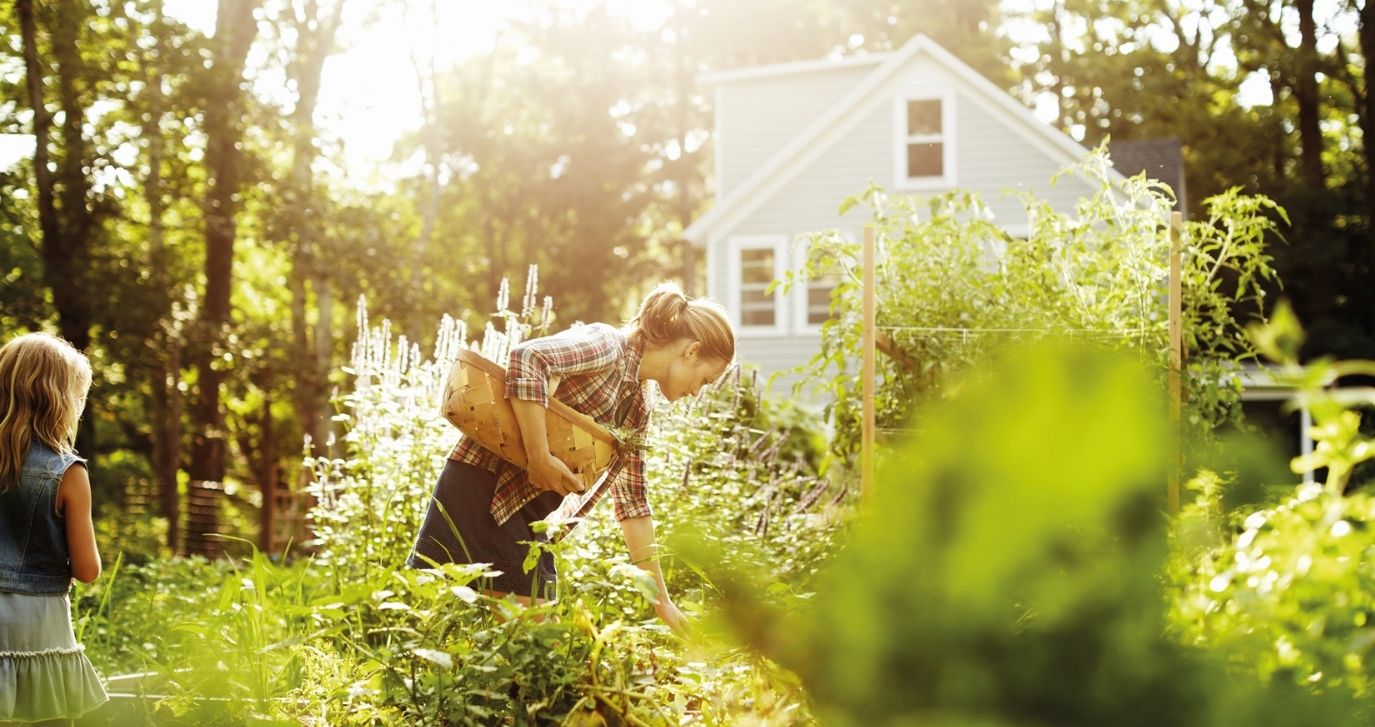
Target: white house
(793, 140)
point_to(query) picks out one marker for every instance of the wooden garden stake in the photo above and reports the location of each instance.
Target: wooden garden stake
(1176, 360)
(866, 374)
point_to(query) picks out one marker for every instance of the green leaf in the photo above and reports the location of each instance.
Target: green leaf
(848, 204)
(433, 656)
(464, 594)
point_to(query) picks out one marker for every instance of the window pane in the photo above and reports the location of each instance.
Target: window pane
(819, 302)
(757, 317)
(925, 160)
(756, 307)
(756, 266)
(924, 117)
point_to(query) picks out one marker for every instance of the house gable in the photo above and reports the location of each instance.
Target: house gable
(996, 154)
(991, 145)
(918, 67)
(758, 115)
(994, 161)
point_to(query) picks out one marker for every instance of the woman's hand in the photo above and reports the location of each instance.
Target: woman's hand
(671, 616)
(544, 469)
(549, 473)
(639, 540)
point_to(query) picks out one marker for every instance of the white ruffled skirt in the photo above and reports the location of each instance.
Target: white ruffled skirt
(44, 673)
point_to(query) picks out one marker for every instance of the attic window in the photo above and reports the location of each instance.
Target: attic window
(925, 139)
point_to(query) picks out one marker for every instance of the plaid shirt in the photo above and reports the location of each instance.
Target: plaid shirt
(599, 371)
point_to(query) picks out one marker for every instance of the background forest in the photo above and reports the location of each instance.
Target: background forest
(171, 202)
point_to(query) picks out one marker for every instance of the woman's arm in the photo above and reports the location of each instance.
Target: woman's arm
(545, 470)
(644, 552)
(578, 350)
(74, 504)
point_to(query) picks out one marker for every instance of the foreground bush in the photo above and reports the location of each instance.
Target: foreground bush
(1007, 571)
(1287, 591)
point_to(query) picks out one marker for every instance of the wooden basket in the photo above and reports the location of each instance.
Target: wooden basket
(475, 402)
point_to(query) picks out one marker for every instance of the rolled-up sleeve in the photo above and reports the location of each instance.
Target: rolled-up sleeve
(578, 350)
(628, 491)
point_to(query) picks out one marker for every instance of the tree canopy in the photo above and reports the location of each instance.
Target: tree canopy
(182, 217)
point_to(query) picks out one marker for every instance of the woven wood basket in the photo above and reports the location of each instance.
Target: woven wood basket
(475, 402)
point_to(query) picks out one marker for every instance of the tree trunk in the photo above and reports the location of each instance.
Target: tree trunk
(1279, 156)
(1307, 95)
(235, 28)
(427, 83)
(165, 374)
(65, 218)
(324, 340)
(1310, 203)
(166, 417)
(311, 400)
(267, 478)
(1366, 33)
(685, 206)
(65, 263)
(1057, 64)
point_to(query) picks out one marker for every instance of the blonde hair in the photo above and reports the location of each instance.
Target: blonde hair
(668, 315)
(43, 385)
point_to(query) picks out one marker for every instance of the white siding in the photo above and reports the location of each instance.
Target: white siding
(758, 116)
(772, 355)
(811, 200)
(991, 159)
(995, 152)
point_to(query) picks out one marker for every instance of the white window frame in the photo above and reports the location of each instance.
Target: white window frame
(802, 292)
(946, 138)
(734, 247)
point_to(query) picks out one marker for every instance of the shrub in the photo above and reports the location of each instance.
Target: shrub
(1006, 571)
(351, 636)
(1286, 591)
(953, 285)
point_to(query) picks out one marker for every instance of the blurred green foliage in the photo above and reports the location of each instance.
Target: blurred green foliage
(1006, 570)
(1286, 590)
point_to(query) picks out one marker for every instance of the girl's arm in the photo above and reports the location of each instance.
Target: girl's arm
(639, 539)
(74, 504)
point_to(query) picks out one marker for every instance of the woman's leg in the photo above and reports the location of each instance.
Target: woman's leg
(459, 528)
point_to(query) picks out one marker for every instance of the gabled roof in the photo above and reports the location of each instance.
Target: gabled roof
(783, 69)
(829, 127)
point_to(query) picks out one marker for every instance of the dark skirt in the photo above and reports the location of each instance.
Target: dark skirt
(465, 494)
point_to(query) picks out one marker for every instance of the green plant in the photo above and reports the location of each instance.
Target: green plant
(351, 636)
(1006, 572)
(953, 285)
(1286, 591)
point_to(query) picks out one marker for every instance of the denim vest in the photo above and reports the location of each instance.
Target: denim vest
(33, 538)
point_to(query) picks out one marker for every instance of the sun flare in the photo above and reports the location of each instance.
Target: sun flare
(370, 96)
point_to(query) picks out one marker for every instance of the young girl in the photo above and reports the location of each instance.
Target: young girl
(46, 535)
(682, 344)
